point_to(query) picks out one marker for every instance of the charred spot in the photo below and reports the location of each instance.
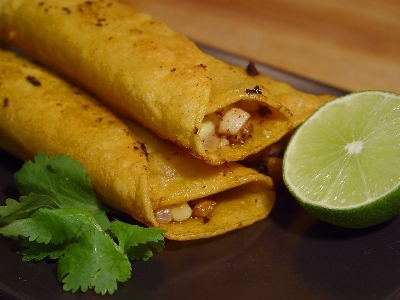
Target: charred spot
(255, 90)
(263, 111)
(251, 69)
(138, 31)
(206, 220)
(127, 132)
(5, 102)
(144, 149)
(86, 107)
(99, 119)
(32, 80)
(67, 10)
(41, 3)
(173, 70)
(58, 104)
(196, 130)
(101, 22)
(203, 66)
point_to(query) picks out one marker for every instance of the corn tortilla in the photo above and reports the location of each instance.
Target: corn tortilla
(144, 70)
(131, 168)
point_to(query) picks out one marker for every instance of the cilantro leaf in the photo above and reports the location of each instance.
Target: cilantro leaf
(102, 219)
(37, 251)
(14, 229)
(137, 241)
(143, 251)
(60, 178)
(15, 210)
(58, 216)
(94, 261)
(58, 225)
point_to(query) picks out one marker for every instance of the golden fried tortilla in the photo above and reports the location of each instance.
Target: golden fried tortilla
(149, 73)
(131, 168)
(243, 195)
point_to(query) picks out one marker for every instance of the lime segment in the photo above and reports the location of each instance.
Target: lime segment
(343, 163)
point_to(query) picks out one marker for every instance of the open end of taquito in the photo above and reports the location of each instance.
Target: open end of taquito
(210, 199)
(300, 104)
(236, 208)
(147, 72)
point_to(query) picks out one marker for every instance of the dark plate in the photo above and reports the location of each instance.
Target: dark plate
(290, 255)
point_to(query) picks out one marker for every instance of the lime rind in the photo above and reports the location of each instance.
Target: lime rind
(358, 150)
(367, 215)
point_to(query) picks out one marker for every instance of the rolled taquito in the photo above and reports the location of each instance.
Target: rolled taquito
(149, 73)
(131, 168)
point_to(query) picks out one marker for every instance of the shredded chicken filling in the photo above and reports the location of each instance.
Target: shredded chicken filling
(201, 208)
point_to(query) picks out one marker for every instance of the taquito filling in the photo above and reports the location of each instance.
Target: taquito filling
(232, 125)
(269, 160)
(201, 208)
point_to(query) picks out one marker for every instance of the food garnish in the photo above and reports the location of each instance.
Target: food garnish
(342, 164)
(59, 217)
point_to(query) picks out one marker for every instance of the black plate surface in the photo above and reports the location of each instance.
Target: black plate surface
(290, 255)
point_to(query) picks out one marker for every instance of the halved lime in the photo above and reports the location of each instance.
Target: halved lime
(343, 163)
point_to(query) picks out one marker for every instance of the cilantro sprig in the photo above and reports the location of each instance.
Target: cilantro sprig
(59, 217)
